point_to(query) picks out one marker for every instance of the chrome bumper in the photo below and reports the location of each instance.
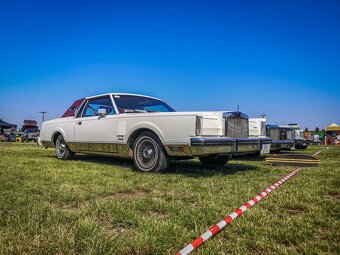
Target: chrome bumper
(247, 145)
(300, 143)
(209, 145)
(39, 142)
(231, 146)
(282, 144)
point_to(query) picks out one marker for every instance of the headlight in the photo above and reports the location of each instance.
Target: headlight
(199, 124)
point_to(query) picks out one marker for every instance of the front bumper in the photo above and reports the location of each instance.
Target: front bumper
(300, 143)
(282, 144)
(209, 145)
(229, 146)
(39, 142)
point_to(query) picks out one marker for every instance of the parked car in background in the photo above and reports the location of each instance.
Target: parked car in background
(295, 133)
(3, 138)
(147, 130)
(257, 129)
(30, 131)
(9, 133)
(281, 138)
(314, 139)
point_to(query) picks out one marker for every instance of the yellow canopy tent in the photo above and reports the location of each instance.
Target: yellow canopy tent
(333, 127)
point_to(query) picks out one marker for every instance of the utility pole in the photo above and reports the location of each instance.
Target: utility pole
(43, 116)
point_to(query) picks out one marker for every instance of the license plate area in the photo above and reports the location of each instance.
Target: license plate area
(265, 149)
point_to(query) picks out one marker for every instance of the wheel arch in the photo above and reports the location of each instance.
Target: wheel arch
(55, 135)
(132, 137)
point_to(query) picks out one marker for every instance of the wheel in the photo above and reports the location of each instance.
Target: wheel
(61, 149)
(214, 161)
(148, 153)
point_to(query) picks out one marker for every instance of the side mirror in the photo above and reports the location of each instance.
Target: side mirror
(102, 111)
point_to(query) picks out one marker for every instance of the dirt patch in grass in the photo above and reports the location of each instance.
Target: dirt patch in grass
(69, 207)
(333, 195)
(113, 231)
(294, 209)
(158, 215)
(66, 207)
(123, 196)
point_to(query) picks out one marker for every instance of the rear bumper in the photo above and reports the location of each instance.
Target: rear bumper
(229, 146)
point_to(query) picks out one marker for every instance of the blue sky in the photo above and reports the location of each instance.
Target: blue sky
(281, 58)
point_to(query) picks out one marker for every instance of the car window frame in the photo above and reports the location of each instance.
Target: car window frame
(82, 108)
(118, 112)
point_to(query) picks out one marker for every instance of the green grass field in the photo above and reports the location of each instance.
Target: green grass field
(99, 205)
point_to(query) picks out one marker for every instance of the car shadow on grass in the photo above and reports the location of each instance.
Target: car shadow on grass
(106, 160)
(249, 158)
(195, 169)
(191, 168)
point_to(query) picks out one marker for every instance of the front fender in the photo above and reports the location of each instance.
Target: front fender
(146, 125)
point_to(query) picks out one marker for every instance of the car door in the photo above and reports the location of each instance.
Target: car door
(95, 126)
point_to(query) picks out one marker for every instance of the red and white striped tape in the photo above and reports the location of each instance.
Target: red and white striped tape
(238, 212)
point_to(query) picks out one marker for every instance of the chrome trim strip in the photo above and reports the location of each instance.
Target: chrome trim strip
(208, 150)
(266, 140)
(247, 141)
(98, 147)
(178, 150)
(113, 149)
(212, 141)
(241, 148)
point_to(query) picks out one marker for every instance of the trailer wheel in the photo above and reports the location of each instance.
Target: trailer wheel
(214, 161)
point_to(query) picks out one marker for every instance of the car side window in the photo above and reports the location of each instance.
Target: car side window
(98, 106)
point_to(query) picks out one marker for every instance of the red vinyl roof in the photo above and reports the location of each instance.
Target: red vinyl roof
(73, 108)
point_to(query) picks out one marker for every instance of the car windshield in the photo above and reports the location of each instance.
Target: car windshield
(133, 104)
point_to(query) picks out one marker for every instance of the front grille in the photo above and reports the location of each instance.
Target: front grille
(274, 134)
(291, 134)
(263, 128)
(32, 135)
(236, 127)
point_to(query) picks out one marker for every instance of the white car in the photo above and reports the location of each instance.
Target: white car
(147, 130)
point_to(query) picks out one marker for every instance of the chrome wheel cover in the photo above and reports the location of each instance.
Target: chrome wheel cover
(60, 147)
(146, 153)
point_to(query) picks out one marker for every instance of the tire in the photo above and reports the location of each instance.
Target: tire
(214, 161)
(62, 151)
(148, 153)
